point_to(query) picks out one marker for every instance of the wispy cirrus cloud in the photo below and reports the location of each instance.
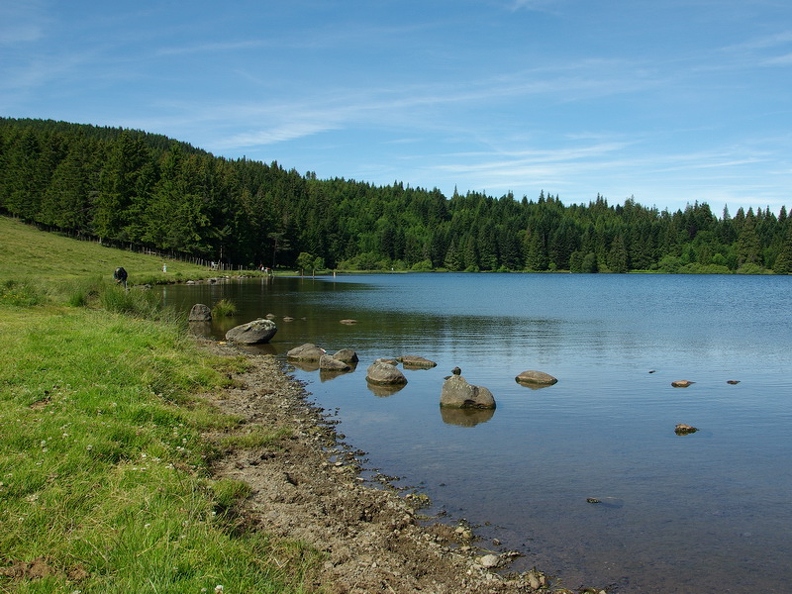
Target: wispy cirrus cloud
(21, 22)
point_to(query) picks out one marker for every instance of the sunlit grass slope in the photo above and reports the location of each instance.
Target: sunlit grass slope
(104, 482)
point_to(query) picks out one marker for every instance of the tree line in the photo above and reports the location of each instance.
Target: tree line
(126, 186)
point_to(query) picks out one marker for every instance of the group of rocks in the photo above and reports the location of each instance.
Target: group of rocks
(383, 374)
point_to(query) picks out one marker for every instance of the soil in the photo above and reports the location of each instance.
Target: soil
(307, 486)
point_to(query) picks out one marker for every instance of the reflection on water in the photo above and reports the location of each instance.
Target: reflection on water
(383, 391)
(466, 417)
(708, 513)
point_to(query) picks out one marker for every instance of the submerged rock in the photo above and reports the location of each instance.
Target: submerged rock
(683, 429)
(682, 383)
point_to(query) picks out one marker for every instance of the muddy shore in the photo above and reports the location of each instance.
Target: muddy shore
(307, 486)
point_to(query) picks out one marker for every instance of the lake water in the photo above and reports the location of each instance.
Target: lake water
(709, 512)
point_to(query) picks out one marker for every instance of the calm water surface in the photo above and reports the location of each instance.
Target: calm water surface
(708, 512)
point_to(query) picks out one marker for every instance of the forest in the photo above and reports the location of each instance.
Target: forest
(136, 189)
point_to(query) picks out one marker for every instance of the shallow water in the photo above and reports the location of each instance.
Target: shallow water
(707, 512)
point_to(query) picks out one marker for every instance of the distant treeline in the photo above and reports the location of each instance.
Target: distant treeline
(127, 187)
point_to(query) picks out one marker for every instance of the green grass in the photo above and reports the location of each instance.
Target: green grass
(104, 467)
(224, 309)
(29, 254)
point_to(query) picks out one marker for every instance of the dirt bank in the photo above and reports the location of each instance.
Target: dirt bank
(307, 486)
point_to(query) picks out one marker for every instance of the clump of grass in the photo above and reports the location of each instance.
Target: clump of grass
(138, 302)
(224, 309)
(83, 292)
(20, 294)
(228, 493)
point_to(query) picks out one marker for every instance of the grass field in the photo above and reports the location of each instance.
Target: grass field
(26, 252)
(104, 478)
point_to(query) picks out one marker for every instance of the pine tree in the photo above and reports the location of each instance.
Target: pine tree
(748, 246)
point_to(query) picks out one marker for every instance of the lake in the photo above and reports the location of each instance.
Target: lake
(707, 512)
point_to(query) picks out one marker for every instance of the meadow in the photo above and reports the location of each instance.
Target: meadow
(105, 476)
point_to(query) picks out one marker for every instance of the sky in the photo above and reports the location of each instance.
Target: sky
(666, 101)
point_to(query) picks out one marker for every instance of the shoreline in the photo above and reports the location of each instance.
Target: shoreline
(307, 486)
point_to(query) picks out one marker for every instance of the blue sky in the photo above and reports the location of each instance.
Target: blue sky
(668, 101)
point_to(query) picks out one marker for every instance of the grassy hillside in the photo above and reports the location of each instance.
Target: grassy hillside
(104, 464)
(27, 253)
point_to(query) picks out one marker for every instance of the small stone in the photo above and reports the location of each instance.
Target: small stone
(489, 561)
(682, 383)
(538, 378)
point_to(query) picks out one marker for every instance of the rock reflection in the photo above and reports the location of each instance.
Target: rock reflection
(325, 375)
(383, 391)
(201, 329)
(258, 349)
(309, 366)
(466, 417)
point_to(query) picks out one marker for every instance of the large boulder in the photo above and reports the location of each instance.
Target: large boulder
(382, 373)
(256, 332)
(458, 393)
(200, 313)
(415, 362)
(306, 352)
(536, 378)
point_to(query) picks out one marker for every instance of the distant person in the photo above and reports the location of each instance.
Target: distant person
(120, 276)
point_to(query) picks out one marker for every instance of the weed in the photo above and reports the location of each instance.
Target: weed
(224, 309)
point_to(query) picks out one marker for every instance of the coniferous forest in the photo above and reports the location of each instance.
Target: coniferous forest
(127, 187)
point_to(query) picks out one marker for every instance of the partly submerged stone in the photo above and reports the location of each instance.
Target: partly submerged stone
(383, 373)
(415, 362)
(330, 363)
(458, 393)
(306, 352)
(683, 429)
(538, 378)
(682, 383)
(200, 313)
(346, 355)
(255, 332)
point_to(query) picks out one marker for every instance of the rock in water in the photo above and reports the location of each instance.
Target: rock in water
(255, 332)
(200, 313)
(415, 362)
(330, 363)
(346, 355)
(538, 378)
(458, 393)
(382, 373)
(305, 352)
